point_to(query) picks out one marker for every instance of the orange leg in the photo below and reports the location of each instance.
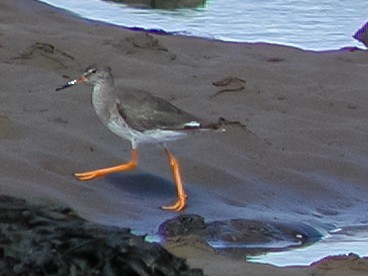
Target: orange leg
(181, 202)
(132, 164)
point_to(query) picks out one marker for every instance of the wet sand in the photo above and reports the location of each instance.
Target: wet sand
(297, 152)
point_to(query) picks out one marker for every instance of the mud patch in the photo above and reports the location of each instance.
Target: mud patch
(7, 129)
(340, 262)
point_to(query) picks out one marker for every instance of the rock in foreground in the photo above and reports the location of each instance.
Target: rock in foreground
(51, 240)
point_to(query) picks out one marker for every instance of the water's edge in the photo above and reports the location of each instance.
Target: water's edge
(260, 24)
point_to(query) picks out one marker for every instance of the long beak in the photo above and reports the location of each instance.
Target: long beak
(71, 83)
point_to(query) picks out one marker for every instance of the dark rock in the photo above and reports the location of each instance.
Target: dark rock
(362, 35)
(163, 4)
(241, 235)
(182, 225)
(53, 240)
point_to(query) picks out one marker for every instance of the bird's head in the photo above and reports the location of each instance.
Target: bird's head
(92, 75)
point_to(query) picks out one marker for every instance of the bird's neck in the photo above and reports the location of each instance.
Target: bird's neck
(103, 98)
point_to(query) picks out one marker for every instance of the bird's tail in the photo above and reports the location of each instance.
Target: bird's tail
(222, 124)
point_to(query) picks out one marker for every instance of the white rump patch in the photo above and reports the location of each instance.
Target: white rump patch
(192, 124)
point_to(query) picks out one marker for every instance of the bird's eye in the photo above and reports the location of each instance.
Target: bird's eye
(89, 72)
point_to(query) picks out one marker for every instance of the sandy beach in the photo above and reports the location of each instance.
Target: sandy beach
(295, 149)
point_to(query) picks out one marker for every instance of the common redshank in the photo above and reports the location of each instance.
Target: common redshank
(139, 118)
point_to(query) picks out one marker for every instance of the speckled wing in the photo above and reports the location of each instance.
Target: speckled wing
(143, 111)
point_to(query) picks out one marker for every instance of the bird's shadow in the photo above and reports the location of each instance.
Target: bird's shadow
(142, 184)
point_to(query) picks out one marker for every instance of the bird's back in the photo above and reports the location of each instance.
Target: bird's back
(143, 111)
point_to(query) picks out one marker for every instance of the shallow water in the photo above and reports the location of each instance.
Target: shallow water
(340, 242)
(313, 25)
(286, 251)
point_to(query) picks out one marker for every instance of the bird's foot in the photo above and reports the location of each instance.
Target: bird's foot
(132, 164)
(179, 205)
(84, 176)
(103, 172)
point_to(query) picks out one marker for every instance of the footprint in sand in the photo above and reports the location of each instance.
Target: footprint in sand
(143, 42)
(47, 56)
(229, 84)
